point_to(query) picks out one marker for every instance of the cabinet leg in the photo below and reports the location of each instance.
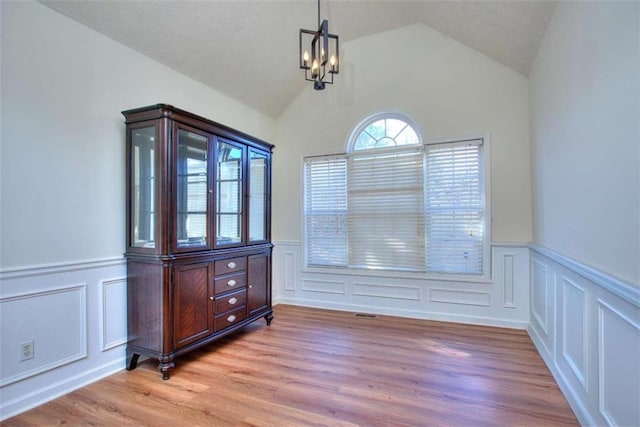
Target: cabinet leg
(165, 369)
(132, 360)
(268, 318)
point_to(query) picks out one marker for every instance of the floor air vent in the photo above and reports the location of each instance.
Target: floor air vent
(365, 315)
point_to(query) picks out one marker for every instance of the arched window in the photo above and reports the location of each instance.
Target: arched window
(383, 130)
(394, 203)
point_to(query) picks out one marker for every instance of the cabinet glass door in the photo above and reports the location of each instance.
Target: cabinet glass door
(258, 196)
(192, 189)
(143, 187)
(229, 194)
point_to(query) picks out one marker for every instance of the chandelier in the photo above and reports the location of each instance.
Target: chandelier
(320, 57)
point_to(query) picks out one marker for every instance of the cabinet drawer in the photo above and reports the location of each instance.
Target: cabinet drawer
(229, 319)
(230, 265)
(229, 283)
(231, 302)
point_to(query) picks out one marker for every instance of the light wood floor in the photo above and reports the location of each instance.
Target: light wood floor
(318, 367)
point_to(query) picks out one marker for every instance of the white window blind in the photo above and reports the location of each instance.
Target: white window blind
(454, 207)
(385, 216)
(406, 208)
(325, 211)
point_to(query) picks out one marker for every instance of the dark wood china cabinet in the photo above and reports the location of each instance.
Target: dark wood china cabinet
(198, 232)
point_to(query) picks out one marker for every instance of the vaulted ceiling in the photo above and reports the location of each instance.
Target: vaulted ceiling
(248, 49)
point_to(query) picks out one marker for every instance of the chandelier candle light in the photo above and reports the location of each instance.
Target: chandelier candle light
(324, 57)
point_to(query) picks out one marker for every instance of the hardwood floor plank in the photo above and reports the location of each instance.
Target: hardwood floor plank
(316, 367)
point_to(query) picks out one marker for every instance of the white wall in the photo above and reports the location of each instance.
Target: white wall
(63, 87)
(585, 95)
(62, 274)
(449, 90)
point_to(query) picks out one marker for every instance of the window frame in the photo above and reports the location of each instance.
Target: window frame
(484, 277)
(353, 136)
(487, 272)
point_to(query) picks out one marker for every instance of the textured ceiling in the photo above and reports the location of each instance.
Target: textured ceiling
(248, 49)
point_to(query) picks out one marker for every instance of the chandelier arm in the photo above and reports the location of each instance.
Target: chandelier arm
(318, 13)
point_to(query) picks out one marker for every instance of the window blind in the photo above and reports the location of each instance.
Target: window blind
(325, 211)
(385, 217)
(454, 207)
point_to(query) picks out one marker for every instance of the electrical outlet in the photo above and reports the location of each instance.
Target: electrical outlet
(26, 351)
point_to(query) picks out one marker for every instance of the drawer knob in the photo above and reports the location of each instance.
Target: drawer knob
(232, 301)
(211, 298)
(231, 264)
(231, 318)
(231, 283)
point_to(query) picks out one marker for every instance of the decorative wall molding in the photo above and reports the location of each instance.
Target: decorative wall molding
(509, 279)
(539, 293)
(594, 333)
(618, 366)
(574, 330)
(585, 341)
(618, 287)
(289, 264)
(386, 291)
(69, 304)
(501, 300)
(62, 267)
(323, 286)
(77, 332)
(113, 325)
(454, 296)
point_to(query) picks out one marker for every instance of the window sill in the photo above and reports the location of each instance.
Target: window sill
(398, 275)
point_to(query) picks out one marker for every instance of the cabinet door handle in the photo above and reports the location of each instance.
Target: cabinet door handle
(231, 318)
(232, 265)
(231, 283)
(232, 301)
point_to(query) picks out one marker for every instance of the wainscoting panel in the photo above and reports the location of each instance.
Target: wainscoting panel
(595, 355)
(539, 294)
(501, 300)
(32, 316)
(618, 366)
(323, 286)
(386, 291)
(573, 324)
(289, 280)
(454, 296)
(75, 316)
(509, 281)
(114, 313)
(286, 266)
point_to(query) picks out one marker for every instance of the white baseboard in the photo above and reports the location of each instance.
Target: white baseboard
(45, 394)
(471, 320)
(578, 406)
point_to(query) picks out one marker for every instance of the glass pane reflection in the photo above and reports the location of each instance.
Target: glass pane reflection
(192, 189)
(143, 187)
